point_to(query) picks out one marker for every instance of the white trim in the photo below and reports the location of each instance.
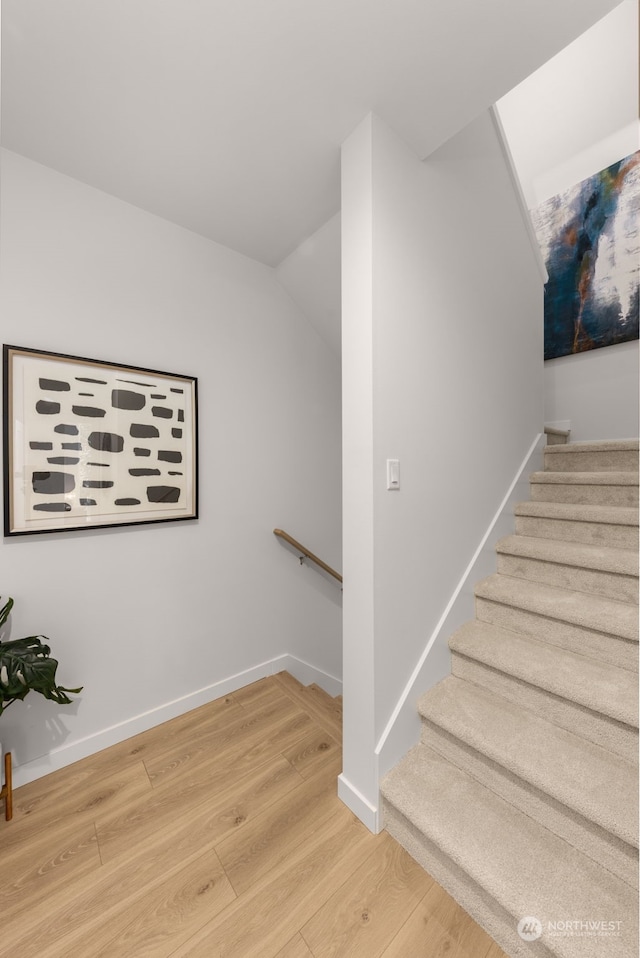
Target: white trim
(515, 179)
(368, 814)
(82, 748)
(403, 728)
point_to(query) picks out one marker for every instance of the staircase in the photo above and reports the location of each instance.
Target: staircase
(521, 798)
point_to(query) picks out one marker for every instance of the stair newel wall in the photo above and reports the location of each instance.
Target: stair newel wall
(442, 369)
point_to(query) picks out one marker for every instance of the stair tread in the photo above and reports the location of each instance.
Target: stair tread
(579, 608)
(523, 866)
(600, 558)
(618, 478)
(585, 777)
(609, 445)
(596, 686)
(545, 509)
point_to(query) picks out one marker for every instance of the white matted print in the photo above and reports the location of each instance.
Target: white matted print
(89, 443)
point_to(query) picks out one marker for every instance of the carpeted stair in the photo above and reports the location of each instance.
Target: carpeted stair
(522, 796)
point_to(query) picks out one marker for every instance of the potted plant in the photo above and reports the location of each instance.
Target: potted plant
(25, 666)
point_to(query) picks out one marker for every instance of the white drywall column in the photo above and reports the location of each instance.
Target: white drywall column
(358, 783)
(442, 369)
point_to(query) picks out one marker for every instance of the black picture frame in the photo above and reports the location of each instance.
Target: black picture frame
(89, 443)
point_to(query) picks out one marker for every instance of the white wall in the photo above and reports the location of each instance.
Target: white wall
(442, 369)
(311, 276)
(575, 116)
(596, 392)
(147, 615)
(578, 113)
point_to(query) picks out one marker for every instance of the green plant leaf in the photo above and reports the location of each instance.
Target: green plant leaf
(5, 610)
(26, 666)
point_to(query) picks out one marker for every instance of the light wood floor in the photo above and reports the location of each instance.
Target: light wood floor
(218, 834)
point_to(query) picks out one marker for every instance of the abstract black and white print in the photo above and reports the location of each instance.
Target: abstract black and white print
(96, 444)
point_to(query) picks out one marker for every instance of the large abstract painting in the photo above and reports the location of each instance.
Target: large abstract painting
(590, 241)
(89, 443)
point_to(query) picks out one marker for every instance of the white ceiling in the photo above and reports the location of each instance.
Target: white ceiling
(226, 116)
(568, 120)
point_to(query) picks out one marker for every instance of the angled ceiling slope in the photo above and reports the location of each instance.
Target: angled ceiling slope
(227, 117)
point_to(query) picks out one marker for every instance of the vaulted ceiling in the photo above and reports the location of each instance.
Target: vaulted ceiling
(227, 116)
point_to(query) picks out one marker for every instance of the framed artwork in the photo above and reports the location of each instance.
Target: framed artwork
(591, 247)
(90, 444)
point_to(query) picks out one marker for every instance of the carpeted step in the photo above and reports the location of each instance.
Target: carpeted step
(618, 456)
(522, 797)
(589, 488)
(577, 789)
(611, 526)
(502, 865)
(590, 625)
(598, 570)
(591, 699)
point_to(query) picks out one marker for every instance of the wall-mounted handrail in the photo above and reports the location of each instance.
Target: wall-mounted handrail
(306, 553)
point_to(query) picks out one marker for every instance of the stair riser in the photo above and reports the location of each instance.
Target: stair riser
(622, 461)
(618, 738)
(613, 585)
(476, 901)
(587, 533)
(575, 638)
(597, 495)
(593, 612)
(587, 836)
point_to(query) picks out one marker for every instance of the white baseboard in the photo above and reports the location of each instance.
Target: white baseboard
(403, 728)
(368, 814)
(83, 748)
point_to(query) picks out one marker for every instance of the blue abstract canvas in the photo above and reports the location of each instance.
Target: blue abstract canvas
(590, 241)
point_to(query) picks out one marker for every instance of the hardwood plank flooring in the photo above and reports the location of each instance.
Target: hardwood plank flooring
(218, 835)
(295, 949)
(361, 917)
